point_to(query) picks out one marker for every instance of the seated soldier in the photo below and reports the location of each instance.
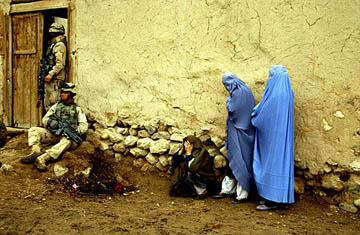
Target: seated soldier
(3, 134)
(193, 170)
(67, 112)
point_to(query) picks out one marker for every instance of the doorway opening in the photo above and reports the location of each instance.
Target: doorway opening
(51, 16)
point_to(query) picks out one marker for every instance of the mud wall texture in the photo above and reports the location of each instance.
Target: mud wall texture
(164, 60)
(151, 61)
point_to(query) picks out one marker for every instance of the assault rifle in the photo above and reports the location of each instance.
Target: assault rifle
(45, 67)
(66, 129)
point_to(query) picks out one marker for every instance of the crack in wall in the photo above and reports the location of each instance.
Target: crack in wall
(313, 23)
(345, 41)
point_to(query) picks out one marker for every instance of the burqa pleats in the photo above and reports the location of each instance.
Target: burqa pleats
(273, 119)
(239, 131)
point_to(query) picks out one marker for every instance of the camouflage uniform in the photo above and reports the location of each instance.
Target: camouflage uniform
(57, 55)
(38, 135)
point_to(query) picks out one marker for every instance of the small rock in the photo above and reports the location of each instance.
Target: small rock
(130, 141)
(332, 182)
(109, 153)
(326, 126)
(60, 170)
(86, 172)
(143, 134)
(133, 131)
(308, 176)
(7, 167)
(161, 135)
(223, 151)
(122, 130)
(163, 161)
(213, 151)
(327, 169)
(355, 165)
(160, 167)
(119, 148)
(177, 137)
(174, 147)
(162, 126)
(116, 137)
(218, 141)
(105, 135)
(219, 161)
(104, 145)
(151, 159)
(144, 143)
(348, 207)
(339, 114)
(300, 163)
(150, 129)
(118, 157)
(357, 203)
(331, 162)
(299, 185)
(159, 146)
(138, 152)
(204, 138)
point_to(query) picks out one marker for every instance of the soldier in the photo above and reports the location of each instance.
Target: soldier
(65, 109)
(56, 57)
(3, 134)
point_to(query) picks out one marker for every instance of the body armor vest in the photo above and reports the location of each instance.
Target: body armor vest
(50, 56)
(67, 112)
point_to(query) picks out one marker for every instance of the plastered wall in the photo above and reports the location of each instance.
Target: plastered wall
(164, 60)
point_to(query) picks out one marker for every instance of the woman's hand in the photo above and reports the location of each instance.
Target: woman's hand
(188, 147)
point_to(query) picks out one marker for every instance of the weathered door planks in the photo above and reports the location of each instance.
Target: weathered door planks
(26, 52)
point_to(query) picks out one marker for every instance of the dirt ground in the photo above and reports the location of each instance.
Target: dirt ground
(31, 203)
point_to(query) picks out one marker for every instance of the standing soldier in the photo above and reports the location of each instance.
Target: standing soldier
(65, 112)
(56, 57)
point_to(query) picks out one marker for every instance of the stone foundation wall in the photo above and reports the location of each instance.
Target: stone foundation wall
(162, 62)
(152, 145)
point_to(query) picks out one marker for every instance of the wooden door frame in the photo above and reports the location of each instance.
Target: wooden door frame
(27, 8)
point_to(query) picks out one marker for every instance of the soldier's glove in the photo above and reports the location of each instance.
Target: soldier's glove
(53, 124)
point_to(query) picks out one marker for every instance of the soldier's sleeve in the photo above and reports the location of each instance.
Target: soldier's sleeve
(60, 58)
(48, 114)
(82, 121)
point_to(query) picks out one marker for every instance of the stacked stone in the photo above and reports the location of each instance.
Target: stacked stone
(151, 144)
(333, 182)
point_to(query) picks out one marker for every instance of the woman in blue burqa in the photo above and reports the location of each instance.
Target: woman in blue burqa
(239, 141)
(273, 163)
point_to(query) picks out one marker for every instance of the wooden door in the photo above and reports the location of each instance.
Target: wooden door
(27, 31)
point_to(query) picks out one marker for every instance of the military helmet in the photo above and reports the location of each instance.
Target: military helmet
(57, 28)
(68, 87)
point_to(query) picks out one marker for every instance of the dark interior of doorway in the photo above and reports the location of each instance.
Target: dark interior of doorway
(48, 20)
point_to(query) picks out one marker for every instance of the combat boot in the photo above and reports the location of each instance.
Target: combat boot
(30, 158)
(40, 162)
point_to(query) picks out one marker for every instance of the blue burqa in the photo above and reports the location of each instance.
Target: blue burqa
(273, 119)
(240, 133)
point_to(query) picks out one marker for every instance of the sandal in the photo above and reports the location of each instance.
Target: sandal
(238, 201)
(220, 195)
(264, 207)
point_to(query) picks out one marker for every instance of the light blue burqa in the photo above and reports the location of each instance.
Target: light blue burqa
(273, 119)
(240, 133)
